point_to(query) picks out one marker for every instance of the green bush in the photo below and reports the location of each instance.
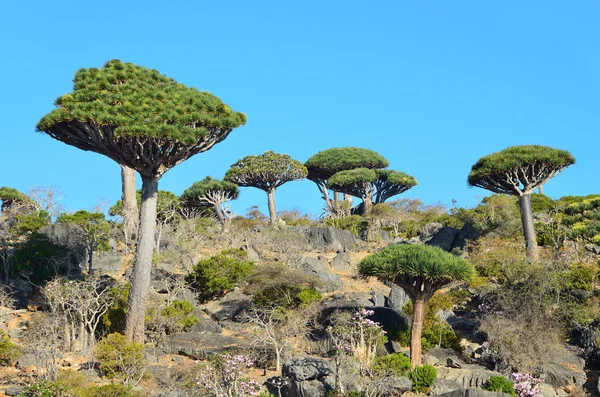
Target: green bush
(180, 314)
(9, 352)
(114, 319)
(396, 363)
(308, 296)
(111, 390)
(422, 378)
(355, 224)
(121, 359)
(43, 389)
(500, 383)
(214, 276)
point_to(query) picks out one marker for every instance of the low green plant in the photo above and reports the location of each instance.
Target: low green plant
(501, 384)
(121, 359)
(9, 352)
(111, 390)
(396, 363)
(214, 276)
(308, 296)
(355, 224)
(43, 389)
(179, 312)
(114, 319)
(422, 378)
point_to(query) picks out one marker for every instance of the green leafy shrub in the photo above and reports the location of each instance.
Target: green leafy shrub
(111, 390)
(114, 319)
(396, 363)
(121, 359)
(422, 378)
(500, 383)
(43, 389)
(214, 276)
(180, 314)
(34, 258)
(355, 224)
(541, 203)
(308, 296)
(9, 352)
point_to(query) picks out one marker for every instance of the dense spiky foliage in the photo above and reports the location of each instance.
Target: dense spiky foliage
(326, 163)
(212, 193)
(138, 117)
(420, 270)
(266, 172)
(371, 185)
(391, 183)
(147, 122)
(518, 170)
(10, 196)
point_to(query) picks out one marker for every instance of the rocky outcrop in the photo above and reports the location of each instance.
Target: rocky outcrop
(328, 282)
(201, 346)
(307, 377)
(343, 263)
(328, 239)
(473, 393)
(396, 298)
(229, 308)
(447, 238)
(107, 263)
(468, 376)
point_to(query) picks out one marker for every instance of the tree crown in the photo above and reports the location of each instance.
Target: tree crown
(8, 193)
(266, 171)
(326, 163)
(206, 186)
(343, 179)
(518, 169)
(431, 263)
(141, 102)
(396, 178)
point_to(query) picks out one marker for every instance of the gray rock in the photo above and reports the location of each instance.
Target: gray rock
(397, 298)
(330, 239)
(560, 375)
(377, 298)
(466, 234)
(307, 368)
(14, 390)
(308, 377)
(345, 301)
(444, 386)
(107, 262)
(548, 391)
(201, 346)
(342, 262)
(473, 393)
(229, 308)
(468, 376)
(252, 254)
(444, 238)
(429, 231)
(206, 326)
(328, 282)
(26, 360)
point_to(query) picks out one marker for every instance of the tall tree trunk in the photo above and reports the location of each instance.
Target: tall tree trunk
(367, 206)
(223, 220)
(336, 197)
(417, 332)
(129, 200)
(528, 230)
(272, 210)
(136, 306)
(90, 258)
(541, 189)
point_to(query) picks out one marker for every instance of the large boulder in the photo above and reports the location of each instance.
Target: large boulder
(328, 282)
(444, 238)
(467, 233)
(468, 376)
(308, 377)
(327, 239)
(429, 231)
(469, 392)
(568, 368)
(107, 263)
(343, 263)
(588, 338)
(397, 298)
(201, 346)
(231, 307)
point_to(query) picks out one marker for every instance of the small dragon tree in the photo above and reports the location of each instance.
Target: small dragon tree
(518, 171)
(145, 121)
(327, 163)
(369, 185)
(12, 198)
(212, 193)
(266, 172)
(420, 270)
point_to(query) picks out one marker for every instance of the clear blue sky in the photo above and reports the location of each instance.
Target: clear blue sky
(432, 86)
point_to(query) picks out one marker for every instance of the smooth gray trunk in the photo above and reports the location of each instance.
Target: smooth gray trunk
(90, 258)
(140, 283)
(129, 200)
(528, 230)
(223, 219)
(272, 210)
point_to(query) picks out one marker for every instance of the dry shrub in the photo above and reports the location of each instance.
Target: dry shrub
(287, 244)
(524, 342)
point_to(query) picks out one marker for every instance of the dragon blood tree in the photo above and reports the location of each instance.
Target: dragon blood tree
(419, 270)
(212, 193)
(266, 172)
(147, 122)
(518, 171)
(327, 163)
